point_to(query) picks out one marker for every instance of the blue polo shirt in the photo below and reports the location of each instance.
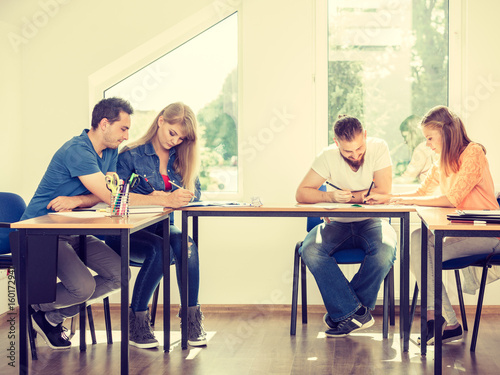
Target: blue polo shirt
(75, 158)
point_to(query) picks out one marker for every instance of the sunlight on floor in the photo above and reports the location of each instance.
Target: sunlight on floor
(413, 350)
(175, 340)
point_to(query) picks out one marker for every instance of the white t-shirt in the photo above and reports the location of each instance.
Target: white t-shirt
(330, 165)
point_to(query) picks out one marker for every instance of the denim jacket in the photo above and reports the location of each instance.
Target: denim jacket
(143, 161)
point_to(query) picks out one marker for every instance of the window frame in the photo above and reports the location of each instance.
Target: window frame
(160, 45)
(320, 35)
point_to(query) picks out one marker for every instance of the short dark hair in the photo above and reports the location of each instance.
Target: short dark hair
(347, 127)
(110, 109)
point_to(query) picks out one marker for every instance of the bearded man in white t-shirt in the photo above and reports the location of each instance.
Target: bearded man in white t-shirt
(349, 167)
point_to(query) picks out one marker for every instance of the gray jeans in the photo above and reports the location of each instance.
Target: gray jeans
(453, 247)
(77, 284)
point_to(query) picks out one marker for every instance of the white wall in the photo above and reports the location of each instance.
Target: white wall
(44, 94)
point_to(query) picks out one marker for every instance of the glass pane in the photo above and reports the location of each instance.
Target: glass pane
(202, 73)
(388, 65)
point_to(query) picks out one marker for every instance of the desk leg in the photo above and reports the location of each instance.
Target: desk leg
(404, 312)
(125, 257)
(23, 303)
(166, 285)
(83, 311)
(184, 280)
(195, 229)
(423, 290)
(438, 302)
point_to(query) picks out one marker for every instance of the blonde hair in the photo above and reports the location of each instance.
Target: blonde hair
(187, 161)
(453, 135)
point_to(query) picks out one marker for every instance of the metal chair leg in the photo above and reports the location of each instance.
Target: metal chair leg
(414, 305)
(295, 290)
(32, 335)
(461, 300)
(107, 320)
(91, 325)
(155, 305)
(385, 328)
(479, 308)
(303, 274)
(392, 303)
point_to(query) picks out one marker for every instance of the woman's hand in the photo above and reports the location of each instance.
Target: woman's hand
(402, 200)
(375, 198)
(179, 198)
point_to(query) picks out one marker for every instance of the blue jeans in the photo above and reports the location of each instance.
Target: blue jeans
(146, 248)
(77, 284)
(343, 298)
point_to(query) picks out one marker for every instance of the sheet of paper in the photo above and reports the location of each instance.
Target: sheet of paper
(325, 205)
(215, 203)
(80, 214)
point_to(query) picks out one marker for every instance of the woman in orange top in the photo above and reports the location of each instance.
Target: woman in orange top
(465, 182)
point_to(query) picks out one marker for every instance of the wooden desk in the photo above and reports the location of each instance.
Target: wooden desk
(67, 225)
(402, 212)
(434, 219)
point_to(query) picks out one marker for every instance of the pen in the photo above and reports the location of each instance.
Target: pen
(173, 183)
(336, 187)
(369, 189)
(332, 185)
(149, 183)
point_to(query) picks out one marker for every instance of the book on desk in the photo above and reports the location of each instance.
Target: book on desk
(103, 207)
(475, 216)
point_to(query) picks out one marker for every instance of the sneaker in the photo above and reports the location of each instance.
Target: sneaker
(141, 333)
(196, 334)
(53, 336)
(452, 334)
(329, 322)
(352, 324)
(430, 331)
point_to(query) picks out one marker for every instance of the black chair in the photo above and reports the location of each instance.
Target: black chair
(12, 207)
(485, 261)
(348, 256)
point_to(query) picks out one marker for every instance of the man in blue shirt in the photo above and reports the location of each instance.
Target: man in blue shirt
(75, 178)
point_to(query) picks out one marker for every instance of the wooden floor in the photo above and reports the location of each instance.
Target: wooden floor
(244, 341)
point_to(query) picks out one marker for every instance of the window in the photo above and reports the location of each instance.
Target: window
(387, 66)
(202, 73)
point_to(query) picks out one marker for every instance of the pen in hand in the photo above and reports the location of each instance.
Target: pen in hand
(180, 187)
(336, 187)
(369, 189)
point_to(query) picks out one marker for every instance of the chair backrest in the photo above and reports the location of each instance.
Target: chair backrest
(12, 207)
(313, 221)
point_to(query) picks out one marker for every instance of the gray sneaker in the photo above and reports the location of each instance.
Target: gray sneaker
(141, 333)
(353, 323)
(196, 334)
(329, 322)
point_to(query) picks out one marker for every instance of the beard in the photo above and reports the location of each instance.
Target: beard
(354, 164)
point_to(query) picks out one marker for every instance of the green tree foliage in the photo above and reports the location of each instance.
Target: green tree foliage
(218, 130)
(429, 55)
(218, 121)
(345, 92)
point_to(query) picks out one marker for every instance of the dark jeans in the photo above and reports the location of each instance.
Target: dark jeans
(146, 248)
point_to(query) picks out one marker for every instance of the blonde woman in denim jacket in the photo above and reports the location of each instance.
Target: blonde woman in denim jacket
(164, 157)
